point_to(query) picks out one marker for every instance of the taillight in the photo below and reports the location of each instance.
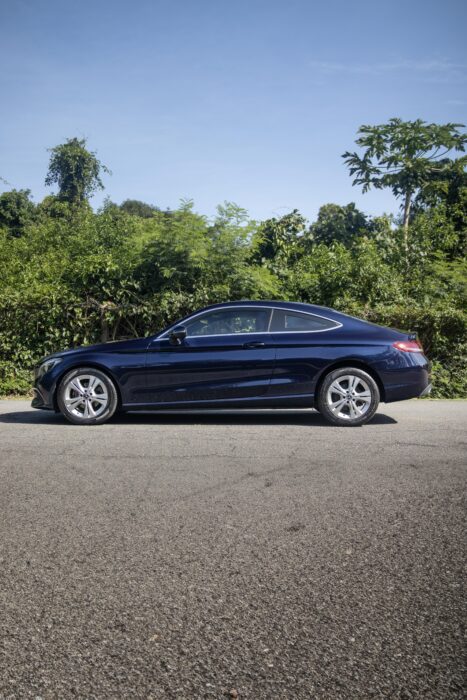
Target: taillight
(408, 345)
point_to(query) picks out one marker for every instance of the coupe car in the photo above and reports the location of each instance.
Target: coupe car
(240, 355)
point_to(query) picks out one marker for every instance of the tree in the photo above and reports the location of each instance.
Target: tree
(339, 224)
(16, 211)
(449, 189)
(75, 170)
(137, 208)
(175, 252)
(403, 156)
(280, 237)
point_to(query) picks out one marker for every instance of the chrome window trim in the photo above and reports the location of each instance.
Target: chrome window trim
(338, 324)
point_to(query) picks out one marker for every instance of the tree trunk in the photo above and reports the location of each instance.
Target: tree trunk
(105, 334)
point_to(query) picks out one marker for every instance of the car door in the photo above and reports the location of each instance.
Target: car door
(227, 355)
(304, 344)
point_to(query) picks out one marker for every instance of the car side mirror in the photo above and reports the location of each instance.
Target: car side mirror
(177, 335)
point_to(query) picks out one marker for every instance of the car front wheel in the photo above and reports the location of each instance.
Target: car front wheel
(87, 396)
(348, 396)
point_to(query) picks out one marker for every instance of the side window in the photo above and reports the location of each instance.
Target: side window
(294, 321)
(230, 321)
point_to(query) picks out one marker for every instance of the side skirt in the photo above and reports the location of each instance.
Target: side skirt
(298, 401)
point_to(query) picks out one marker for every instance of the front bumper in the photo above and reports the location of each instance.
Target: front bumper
(44, 389)
(41, 399)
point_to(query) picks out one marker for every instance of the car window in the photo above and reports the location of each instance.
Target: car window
(294, 321)
(230, 321)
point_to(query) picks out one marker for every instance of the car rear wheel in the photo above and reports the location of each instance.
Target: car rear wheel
(87, 396)
(348, 396)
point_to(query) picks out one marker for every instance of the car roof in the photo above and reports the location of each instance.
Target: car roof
(343, 319)
(291, 305)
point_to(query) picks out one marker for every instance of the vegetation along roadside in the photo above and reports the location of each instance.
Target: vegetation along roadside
(71, 275)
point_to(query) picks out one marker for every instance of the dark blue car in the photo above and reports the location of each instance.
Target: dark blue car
(240, 355)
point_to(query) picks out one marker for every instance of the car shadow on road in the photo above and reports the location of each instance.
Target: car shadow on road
(259, 417)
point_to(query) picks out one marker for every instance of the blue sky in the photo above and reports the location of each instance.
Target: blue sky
(251, 101)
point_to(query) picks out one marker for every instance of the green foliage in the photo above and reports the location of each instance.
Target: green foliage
(339, 224)
(137, 208)
(75, 170)
(279, 240)
(16, 211)
(336, 275)
(404, 156)
(448, 190)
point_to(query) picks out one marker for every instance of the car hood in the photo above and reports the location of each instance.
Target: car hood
(134, 344)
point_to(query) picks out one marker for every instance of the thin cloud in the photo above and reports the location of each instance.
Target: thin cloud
(428, 69)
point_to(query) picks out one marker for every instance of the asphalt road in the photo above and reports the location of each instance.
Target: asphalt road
(260, 556)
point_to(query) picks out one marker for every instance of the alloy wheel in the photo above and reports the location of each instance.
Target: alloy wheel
(86, 396)
(349, 397)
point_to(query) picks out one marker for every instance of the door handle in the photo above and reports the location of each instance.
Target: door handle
(254, 344)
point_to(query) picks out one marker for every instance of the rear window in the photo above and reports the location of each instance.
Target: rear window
(295, 321)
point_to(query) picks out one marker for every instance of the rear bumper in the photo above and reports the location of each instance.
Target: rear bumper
(426, 390)
(405, 375)
(415, 383)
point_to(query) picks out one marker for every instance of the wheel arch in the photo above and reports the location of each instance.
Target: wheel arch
(91, 365)
(350, 362)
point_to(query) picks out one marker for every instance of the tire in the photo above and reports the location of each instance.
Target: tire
(348, 397)
(87, 396)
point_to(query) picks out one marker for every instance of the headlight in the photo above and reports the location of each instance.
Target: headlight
(47, 366)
